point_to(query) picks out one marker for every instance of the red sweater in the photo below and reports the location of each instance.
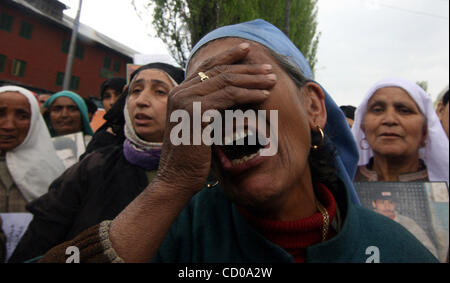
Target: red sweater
(296, 236)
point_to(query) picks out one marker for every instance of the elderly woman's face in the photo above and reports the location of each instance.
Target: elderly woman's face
(15, 119)
(393, 123)
(270, 181)
(65, 116)
(147, 103)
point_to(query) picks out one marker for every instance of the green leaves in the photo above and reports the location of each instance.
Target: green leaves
(181, 23)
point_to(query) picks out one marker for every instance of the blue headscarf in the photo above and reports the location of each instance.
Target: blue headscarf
(87, 130)
(336, 128)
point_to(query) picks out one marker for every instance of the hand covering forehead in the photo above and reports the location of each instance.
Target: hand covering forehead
(336, 128)
(435, 152)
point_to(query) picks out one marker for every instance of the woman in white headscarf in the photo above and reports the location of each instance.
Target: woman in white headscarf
(399, 135)
(28, 160)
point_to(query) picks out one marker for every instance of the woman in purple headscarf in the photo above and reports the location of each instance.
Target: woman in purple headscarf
(107, 180)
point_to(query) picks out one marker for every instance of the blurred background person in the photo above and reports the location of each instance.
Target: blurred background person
(103, 183)
(110, 133)
(92, 108)
(399, 135)
(67, 113)
(28, 161)
(442, 112)
(349, 112)
(110, 91)
(43, 97)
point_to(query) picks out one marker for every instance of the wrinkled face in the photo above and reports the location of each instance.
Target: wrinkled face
(15, 119)
(269, 182)
(393, 124)
(385, 207)
(65, 117)
(147, 103)
(442, 112)
(110, 96)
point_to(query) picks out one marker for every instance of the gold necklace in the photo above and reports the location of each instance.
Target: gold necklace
(326, 220)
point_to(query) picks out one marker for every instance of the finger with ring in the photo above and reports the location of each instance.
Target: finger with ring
(203, 76)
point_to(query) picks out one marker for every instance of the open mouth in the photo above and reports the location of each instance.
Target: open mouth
(243, 146)
(141, 116)
(242, 150)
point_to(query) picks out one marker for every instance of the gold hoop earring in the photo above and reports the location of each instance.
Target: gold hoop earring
(315, 146)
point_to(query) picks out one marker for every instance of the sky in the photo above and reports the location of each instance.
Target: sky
(361, 41)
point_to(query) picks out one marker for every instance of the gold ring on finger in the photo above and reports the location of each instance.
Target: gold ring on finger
(203, 76)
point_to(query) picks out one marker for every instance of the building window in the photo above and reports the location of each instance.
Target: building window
(116, 66)
(18, 68)
(65, 46)
(2, 62)
(107, 62)
(74, 81)
(59, 78)
(79, 51)
(25, 30)
(6, 22)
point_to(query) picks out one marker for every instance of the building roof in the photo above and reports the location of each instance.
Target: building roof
(84, 31)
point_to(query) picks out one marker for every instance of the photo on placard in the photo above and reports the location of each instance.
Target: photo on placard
(420, 207)
(69, 148)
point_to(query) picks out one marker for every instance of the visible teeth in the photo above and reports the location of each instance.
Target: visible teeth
(245, 158)
(237, 136)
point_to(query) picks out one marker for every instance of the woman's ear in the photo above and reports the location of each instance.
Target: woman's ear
(315, 105)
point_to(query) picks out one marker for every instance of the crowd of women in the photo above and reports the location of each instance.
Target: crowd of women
(136, 197)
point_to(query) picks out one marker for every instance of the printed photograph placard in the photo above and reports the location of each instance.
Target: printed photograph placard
(69, 148)
(421, 207)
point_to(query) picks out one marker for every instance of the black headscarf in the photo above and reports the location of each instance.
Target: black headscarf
(349, 111)
(116, 84)
(115, 118)
(445, 98)
(177, 74)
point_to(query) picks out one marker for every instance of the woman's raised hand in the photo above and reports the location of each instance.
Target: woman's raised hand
(230, 82)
